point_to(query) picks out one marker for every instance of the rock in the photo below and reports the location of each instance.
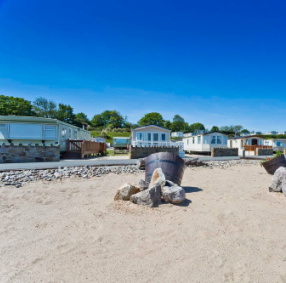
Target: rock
(125, 192)
(151, 197)
(143, 185)
(174, 194)
(158, 177)
(278, 180)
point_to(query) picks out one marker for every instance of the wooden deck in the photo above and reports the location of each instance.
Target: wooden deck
(80, 149)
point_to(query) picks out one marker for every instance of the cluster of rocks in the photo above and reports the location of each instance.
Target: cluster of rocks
(230, 163)
(20, 178)
(152, 193)
(279, 181)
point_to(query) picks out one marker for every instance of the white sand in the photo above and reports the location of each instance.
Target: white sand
(231, 229)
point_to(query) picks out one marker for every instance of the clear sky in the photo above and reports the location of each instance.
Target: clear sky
(215, 62)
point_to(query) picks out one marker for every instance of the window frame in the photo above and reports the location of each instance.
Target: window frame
(213, 138)
(45, 130)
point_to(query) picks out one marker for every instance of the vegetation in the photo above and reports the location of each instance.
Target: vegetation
(278, 153)
(153, 118)
(10, 105)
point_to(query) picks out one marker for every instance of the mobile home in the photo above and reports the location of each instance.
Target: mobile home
(37, 130)
(204, 142)
(243, 143)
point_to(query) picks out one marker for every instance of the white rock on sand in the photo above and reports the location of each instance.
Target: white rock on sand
(230, 229)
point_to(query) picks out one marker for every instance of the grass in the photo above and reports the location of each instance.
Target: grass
(110, 135)
(110, 152)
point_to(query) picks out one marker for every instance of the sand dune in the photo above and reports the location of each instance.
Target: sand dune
(231, 229)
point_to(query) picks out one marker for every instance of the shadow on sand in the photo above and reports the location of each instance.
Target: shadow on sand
(192, 189)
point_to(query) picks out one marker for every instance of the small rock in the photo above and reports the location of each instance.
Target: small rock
(143, 185)
(125, 192)
(174, 194)
(151, 197)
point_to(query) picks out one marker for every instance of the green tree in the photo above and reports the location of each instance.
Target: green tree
(10, 105)
(215, 129)
(81, 120)
(110, 119)
(196, 127)
(245, 131)
(66, 114)
(179, 124)
(45, 108)
(153, 118)
(167, 124)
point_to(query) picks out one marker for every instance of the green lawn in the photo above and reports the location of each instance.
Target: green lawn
(110, 135)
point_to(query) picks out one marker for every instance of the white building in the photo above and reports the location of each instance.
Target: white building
(177, 135)
(204, 142)
(242, 142)
(37, 130)
(277, 144)
(282, 133)
(154, 136)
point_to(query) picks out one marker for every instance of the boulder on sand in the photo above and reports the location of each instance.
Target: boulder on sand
(125, 192)
(173, 194)
(151, 197)
(279, 181)
(143, 185)
(158, 177)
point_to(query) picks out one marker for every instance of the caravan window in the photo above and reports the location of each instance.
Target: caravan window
(26, 131)
(147, 136)
(50, 132)
(224, 140)
(70, 133)
(3, 131)
(155, 137)
(199, 139)
(75, 134)
(279, 143)
(163, 137)
(139, 136)
(219, 140)
(213, 140)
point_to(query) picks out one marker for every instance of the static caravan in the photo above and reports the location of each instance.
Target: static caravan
(37, 130)
(277, 144)
(121, 142)
(150, 135)
(204, 142)
(250, 143)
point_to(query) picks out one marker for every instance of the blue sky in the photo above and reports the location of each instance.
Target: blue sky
(215, 62)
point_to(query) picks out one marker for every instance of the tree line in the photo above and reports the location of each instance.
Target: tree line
(109, 119)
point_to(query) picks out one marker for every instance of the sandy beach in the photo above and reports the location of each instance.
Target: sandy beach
(230, 229)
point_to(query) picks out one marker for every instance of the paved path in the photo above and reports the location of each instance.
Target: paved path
(107, 161)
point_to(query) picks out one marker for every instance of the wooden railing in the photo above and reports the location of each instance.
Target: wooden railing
(85, 148)
(254, 147)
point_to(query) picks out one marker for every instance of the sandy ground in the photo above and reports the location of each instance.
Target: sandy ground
(231, 229)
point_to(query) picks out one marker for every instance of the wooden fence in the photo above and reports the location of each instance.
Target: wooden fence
(254, 147)
(85, 148)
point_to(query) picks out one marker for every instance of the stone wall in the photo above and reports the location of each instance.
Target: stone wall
(22, 153)
(264, 151)
(142, 152)
(224, 151)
